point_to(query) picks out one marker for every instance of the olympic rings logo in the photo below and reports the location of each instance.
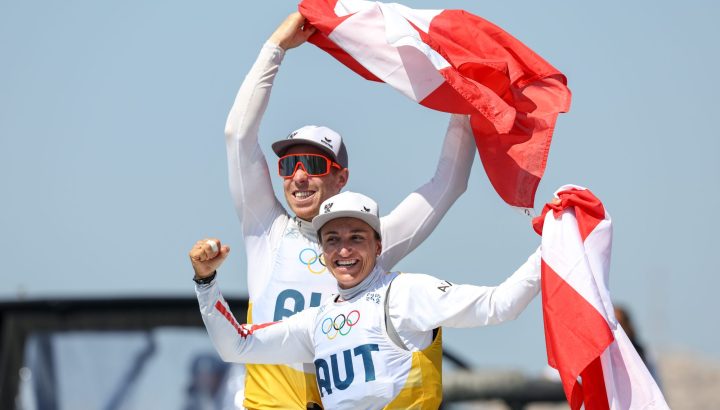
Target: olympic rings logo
(341, 325)
(310, 258)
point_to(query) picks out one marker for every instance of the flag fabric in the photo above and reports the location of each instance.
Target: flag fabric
(456, 62)
(598, 365)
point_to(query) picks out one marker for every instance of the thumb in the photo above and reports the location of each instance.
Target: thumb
(308, 31)
(224, 252)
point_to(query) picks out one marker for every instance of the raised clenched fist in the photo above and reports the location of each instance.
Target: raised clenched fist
(207, 255)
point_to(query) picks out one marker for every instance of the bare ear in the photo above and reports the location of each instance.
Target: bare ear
(343, 176)
(379, 248)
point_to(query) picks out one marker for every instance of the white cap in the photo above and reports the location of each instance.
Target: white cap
(321, 137)
(351, 205)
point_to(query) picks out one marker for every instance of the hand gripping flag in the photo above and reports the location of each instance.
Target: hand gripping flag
(598, 365)
(453, 61)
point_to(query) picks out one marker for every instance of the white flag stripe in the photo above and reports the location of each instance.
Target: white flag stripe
(624, 373)
(420, 18)
(385, 61)
(599, 246)
(399, 32)
(345, 7)
(563, 251)
(628, 383)
(598, 261)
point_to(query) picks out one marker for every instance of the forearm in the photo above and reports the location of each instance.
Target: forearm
(509, 299)
(273, 343)
(252, 99)
(249, 176)
(411, 222)
(435, 302)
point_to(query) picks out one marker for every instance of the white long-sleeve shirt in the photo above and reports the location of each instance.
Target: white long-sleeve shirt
(284, 271)
(416, 304)
(262, 215)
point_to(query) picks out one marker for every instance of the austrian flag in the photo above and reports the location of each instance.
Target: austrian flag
(456, 62)
(598, 365)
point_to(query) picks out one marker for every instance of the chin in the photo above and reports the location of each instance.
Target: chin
(344, 284)
(349, 283)
(307, 212)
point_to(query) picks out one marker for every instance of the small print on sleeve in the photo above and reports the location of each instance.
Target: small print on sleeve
(443, 285)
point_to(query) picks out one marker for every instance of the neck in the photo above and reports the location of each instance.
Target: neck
(305, 227)
(303, 219)
(360, 288)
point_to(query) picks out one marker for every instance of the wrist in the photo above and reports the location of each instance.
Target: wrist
(272, 43)
(206, 279)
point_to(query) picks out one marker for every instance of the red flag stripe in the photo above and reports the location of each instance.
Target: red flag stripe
(567, 249)
(575, 333)
(588, 209)
(593, 392)
(582, 335)
(453, 61)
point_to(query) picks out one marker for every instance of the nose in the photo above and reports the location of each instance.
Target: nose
(300, 175)
(345, 250)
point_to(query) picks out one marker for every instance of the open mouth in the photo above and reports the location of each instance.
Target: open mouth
(300, 195)
(346, 263)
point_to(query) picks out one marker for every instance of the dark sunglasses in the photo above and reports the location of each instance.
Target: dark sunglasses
(315, 165)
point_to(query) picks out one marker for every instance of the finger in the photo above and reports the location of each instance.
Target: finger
(197, 254)
(205, 249)
(213, 245)
(220, 258)
(308, 31)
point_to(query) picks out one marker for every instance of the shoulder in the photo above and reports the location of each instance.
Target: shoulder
(414, 285)
(412, 280)
(279, 225)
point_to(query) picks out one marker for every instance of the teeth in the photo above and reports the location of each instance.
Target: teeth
(303, 194)
(346, 263)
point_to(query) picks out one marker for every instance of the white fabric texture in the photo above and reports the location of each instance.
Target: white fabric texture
(418, 304)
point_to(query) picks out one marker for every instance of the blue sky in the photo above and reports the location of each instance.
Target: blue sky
(112, 157)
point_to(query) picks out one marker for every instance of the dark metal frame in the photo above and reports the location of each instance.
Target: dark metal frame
(19, 319)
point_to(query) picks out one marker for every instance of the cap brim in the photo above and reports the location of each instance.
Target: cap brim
(370, 219)
(283, 145)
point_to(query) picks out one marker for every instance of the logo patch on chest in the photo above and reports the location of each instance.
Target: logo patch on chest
(341, 324)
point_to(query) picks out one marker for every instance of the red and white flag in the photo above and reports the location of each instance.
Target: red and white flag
(456, 62)
(598, 365)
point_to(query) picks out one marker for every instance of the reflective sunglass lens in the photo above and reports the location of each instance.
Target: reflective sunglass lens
(313, 165)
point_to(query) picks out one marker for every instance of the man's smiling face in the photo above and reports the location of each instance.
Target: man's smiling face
(305, 193)
(350, 248)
